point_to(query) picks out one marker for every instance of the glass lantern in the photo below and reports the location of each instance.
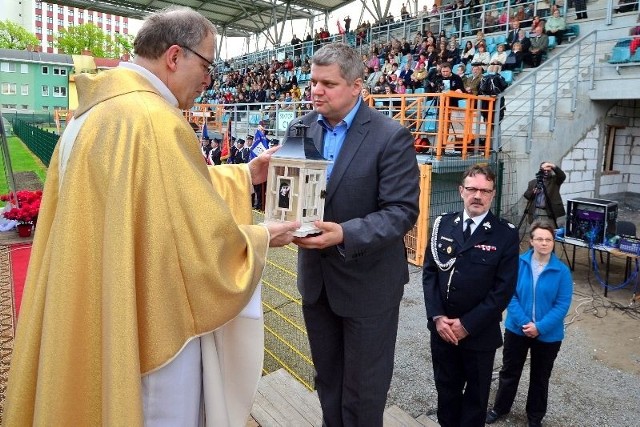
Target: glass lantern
(296, 183)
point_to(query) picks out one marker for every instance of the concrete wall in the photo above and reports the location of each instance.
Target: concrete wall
(583, 163)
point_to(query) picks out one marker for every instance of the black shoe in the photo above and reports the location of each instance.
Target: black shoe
(492, 416)
(535, 423)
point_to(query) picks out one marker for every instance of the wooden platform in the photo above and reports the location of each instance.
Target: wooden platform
(283, 401)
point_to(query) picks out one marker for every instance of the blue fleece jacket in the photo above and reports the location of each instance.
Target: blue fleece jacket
(552, 299)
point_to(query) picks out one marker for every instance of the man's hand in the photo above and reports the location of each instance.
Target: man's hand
(331, 236)
(547, 166)
(281, 233)
(458, 329)
(443, 327)
(259, 166)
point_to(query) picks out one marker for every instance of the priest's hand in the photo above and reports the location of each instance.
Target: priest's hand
(259, 166)
(331, 235)
(281, 233)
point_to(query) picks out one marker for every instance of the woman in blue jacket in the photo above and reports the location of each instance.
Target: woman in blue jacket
(535, 321)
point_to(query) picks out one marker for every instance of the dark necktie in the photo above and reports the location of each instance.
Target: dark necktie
(467, 231)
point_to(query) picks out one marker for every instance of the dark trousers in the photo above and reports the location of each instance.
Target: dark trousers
(581, 9)
(353, 357)
(463, 382)
(514, 354)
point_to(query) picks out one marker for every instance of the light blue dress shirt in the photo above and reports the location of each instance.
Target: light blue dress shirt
(334, 136)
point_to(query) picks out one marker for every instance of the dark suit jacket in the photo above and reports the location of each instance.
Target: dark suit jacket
(373, 194)
(483, 282)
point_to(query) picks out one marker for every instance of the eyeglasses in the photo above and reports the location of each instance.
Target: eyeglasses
(542, 240)
(211, 67)
(474, 190)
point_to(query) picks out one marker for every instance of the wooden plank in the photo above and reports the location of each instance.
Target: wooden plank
(426, 421)
(278, 411)
(396, 417)
(305, 401)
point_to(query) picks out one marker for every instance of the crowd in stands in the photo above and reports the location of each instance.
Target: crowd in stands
(401, 65)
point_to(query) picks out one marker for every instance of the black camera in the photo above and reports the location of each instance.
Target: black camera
(540, 175)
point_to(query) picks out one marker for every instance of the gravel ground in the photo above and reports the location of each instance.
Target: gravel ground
(584, 391)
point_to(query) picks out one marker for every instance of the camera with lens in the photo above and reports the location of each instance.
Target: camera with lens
(540, 177)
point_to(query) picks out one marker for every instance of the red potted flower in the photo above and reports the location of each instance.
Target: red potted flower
(25, 211)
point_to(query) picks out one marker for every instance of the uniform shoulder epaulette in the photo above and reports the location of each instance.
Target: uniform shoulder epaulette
(449, 214)
(506, 223)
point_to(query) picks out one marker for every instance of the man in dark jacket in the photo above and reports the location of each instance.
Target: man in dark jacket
(550, 178)
(469, 276)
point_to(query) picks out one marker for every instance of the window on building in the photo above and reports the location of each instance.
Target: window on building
(60, 9)
(45, 107)
(90, 18)
(45, 90)
(50, 7)
(24, 68)
(24, 90)
(8, 67)
(38, 30)
(608, 165)
(70, 11)
(60, 22)
(109, 21)
(8, 88)
(59, 71)
(59, 91)
(24, 107)
(99, 19)
(49, 31)
(81, 14)
(38, 18)
(45, 69)
(11, 106)
(49, 20)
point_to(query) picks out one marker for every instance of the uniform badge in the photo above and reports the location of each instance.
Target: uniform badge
(511, 225)
(449, 250)
(487, 225)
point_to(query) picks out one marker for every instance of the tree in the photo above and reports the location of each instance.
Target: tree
(13, 36)
(87, 37)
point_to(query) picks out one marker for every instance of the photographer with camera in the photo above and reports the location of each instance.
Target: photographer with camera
(544, 194)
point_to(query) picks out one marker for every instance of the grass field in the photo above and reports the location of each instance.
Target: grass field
(22, 160)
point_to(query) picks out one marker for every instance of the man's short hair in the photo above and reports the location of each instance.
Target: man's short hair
(347, 58)
(479, 169)
(175, 25)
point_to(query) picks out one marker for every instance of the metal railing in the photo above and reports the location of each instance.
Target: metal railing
(532, 101)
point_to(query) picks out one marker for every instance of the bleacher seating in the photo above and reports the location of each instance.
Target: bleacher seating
(619, 55)
(572, 32)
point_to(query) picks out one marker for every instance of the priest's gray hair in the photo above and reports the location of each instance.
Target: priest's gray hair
(349, 61)
(175, 25)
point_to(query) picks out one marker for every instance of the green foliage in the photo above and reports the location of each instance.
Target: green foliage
(87, 37)
(13, 36)
(22, 160)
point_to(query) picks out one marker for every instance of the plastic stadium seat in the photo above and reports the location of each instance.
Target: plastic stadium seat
(635, 57)
(488, 41)
(501, 39)
(507, 75)
(491, 48)
(620, 55)
(409, 91)
(419, 90)
(623, 42)
(467, 69)
(552, 42)
(572, 32)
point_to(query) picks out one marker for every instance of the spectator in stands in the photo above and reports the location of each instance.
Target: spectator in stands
(448, 81)
(535, 24)
(479, 39)
(467, 52)
(543, 8)
(297, 45)
(373, 61)
(556, 26)
(374, 77)
(460, 70)
(400, 87)
(472, 82)
(513, 32)
(492, 84)
(539, 45)
(452, 54)
(418, 76)
(514, 59)
(379, 85)
(481, 56)
(404, 12)
(432, 57)
(499, 57)
(581, 9)
(347, 24)
(524, 41)
(405, 75)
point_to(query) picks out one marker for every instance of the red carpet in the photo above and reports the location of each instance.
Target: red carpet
(19, 256)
